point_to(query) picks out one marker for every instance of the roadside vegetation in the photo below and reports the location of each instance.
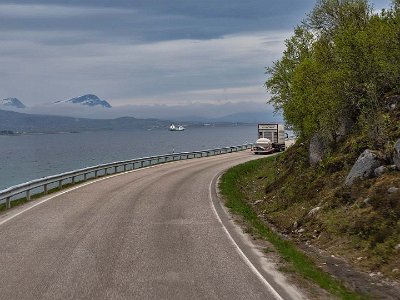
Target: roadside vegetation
(235, 186)
(338, 68)
(338, 84)
(338, 87)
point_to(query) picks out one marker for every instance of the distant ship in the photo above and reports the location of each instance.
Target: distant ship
(176, 128)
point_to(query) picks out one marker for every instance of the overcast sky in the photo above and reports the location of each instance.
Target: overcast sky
(144, 52)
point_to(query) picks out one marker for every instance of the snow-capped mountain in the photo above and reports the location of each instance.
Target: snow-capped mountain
(12, 102)
(88, 100)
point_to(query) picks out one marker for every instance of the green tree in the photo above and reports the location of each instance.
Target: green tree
(339, 64)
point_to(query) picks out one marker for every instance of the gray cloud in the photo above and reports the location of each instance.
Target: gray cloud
(143, 52)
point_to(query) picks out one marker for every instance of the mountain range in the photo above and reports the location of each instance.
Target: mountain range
(88, 100)
(92, 107)
(12, 102)
(11, 121)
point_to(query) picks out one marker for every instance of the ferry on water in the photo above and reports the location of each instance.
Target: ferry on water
(176, 128)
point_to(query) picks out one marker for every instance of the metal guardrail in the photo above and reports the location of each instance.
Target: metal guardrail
(41, 186)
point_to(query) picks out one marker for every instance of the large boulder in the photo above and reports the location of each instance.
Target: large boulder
(364, 167)
(396, 154)
(317, 150)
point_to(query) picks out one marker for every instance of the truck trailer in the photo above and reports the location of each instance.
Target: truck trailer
(275, 133)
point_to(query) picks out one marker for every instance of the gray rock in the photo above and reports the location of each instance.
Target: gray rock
(295, 225)
(346, 125)
(392, 168)
(392, 190)
(364, 167)
(380, 170)
(396, 154)
(317, 150)
(313, 211)
(393, 102)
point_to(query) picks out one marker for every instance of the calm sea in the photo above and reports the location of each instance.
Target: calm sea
(27, 157)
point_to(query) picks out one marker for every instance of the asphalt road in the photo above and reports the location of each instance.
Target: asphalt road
(147, 234)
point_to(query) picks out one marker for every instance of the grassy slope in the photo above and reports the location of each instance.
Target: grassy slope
(360, 223)
(232, 185)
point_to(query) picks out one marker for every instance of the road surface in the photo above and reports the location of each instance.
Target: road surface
(148, 234)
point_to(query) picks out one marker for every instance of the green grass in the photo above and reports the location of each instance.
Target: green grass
(298, 260)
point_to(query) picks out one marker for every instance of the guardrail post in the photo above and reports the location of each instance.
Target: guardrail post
(8, 203)
(98, 170)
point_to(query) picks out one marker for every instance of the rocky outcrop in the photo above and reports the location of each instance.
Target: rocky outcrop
(317, 150)
(345, 127)
(364, 167)
(396, 154)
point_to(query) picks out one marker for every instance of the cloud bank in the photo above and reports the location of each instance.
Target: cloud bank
(143, 53)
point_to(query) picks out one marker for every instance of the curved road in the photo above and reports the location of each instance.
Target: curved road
(147, 234)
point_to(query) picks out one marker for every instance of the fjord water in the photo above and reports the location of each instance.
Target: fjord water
(27, 157)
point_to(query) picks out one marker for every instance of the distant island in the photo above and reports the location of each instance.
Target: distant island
(9, 132)
(16, 123)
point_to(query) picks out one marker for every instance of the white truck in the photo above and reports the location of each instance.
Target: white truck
(262, 146)
(275, 133)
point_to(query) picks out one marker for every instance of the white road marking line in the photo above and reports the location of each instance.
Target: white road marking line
(87, 183)
(241, 253)
(78, 187)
